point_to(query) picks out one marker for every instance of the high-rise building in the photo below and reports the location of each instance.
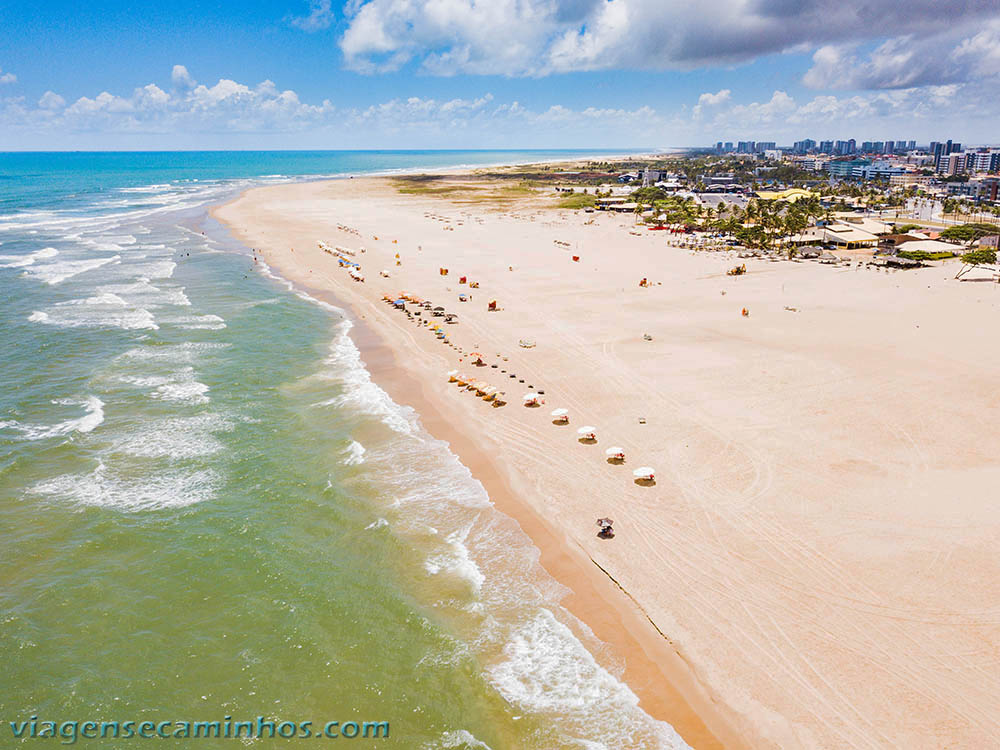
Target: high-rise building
(942, 149)
(746, 147)
(718, 147)
(911, 146)
(729, 147)
(846, 167)
(826, 147)
(951, 164)
(984, 160)
(890, 147)
(845, 148)
(763, 146)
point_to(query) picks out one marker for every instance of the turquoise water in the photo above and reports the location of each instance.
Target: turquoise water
(208, 510)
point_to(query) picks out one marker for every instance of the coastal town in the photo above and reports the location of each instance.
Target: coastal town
(889, 204)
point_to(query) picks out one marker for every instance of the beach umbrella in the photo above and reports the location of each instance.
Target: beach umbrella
(438, 309)
(605, 522)
(615, 452)
(644, 472)
(587, 431)
(559, 413)
(530, 397)
(452, 374)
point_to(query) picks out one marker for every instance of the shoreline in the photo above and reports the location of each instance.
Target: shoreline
(795, 524)
(654, 669)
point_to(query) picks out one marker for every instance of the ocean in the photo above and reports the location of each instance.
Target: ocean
(210, 513)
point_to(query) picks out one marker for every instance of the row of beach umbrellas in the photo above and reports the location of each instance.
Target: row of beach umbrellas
(589, 432)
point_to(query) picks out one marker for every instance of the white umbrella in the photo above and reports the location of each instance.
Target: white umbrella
(587, 432)
(528, 397)
(561, 414)
(644, 472)
(615, 452)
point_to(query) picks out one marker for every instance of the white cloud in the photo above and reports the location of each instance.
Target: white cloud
(51, 101)
(231, 109)
(708, 100)
(911, 112)
(954, 55)
(7, 77)
(229, 112)
(320, 17)
(181, 79)
(539, 37)
(189, 107)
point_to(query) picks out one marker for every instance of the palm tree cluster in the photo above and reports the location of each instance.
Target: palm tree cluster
(758, 226)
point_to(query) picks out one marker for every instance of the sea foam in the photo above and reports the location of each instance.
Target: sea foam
(93, 416)
(55, 273)
(20, 261)
(150, 491)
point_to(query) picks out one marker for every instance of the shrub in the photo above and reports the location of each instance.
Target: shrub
(924, 255)
(578, 200)
(981, 256)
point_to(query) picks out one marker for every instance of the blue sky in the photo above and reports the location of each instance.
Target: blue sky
(494, 73)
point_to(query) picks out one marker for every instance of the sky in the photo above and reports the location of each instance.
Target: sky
(614, 74)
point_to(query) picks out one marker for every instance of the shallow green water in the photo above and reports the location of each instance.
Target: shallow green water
(207, 510)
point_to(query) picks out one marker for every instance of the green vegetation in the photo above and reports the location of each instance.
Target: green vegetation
(428, 190)
(904, 228)
(980, 257)
(924, 255)
(577, 201)
(423, 184)
(523, 188)
(969, 232)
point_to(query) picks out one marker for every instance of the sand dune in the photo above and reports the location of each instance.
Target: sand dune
(819, 547)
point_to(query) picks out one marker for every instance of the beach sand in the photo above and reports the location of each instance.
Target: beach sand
(815, 566)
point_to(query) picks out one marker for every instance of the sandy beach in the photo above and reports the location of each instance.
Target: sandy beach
(815, 565)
